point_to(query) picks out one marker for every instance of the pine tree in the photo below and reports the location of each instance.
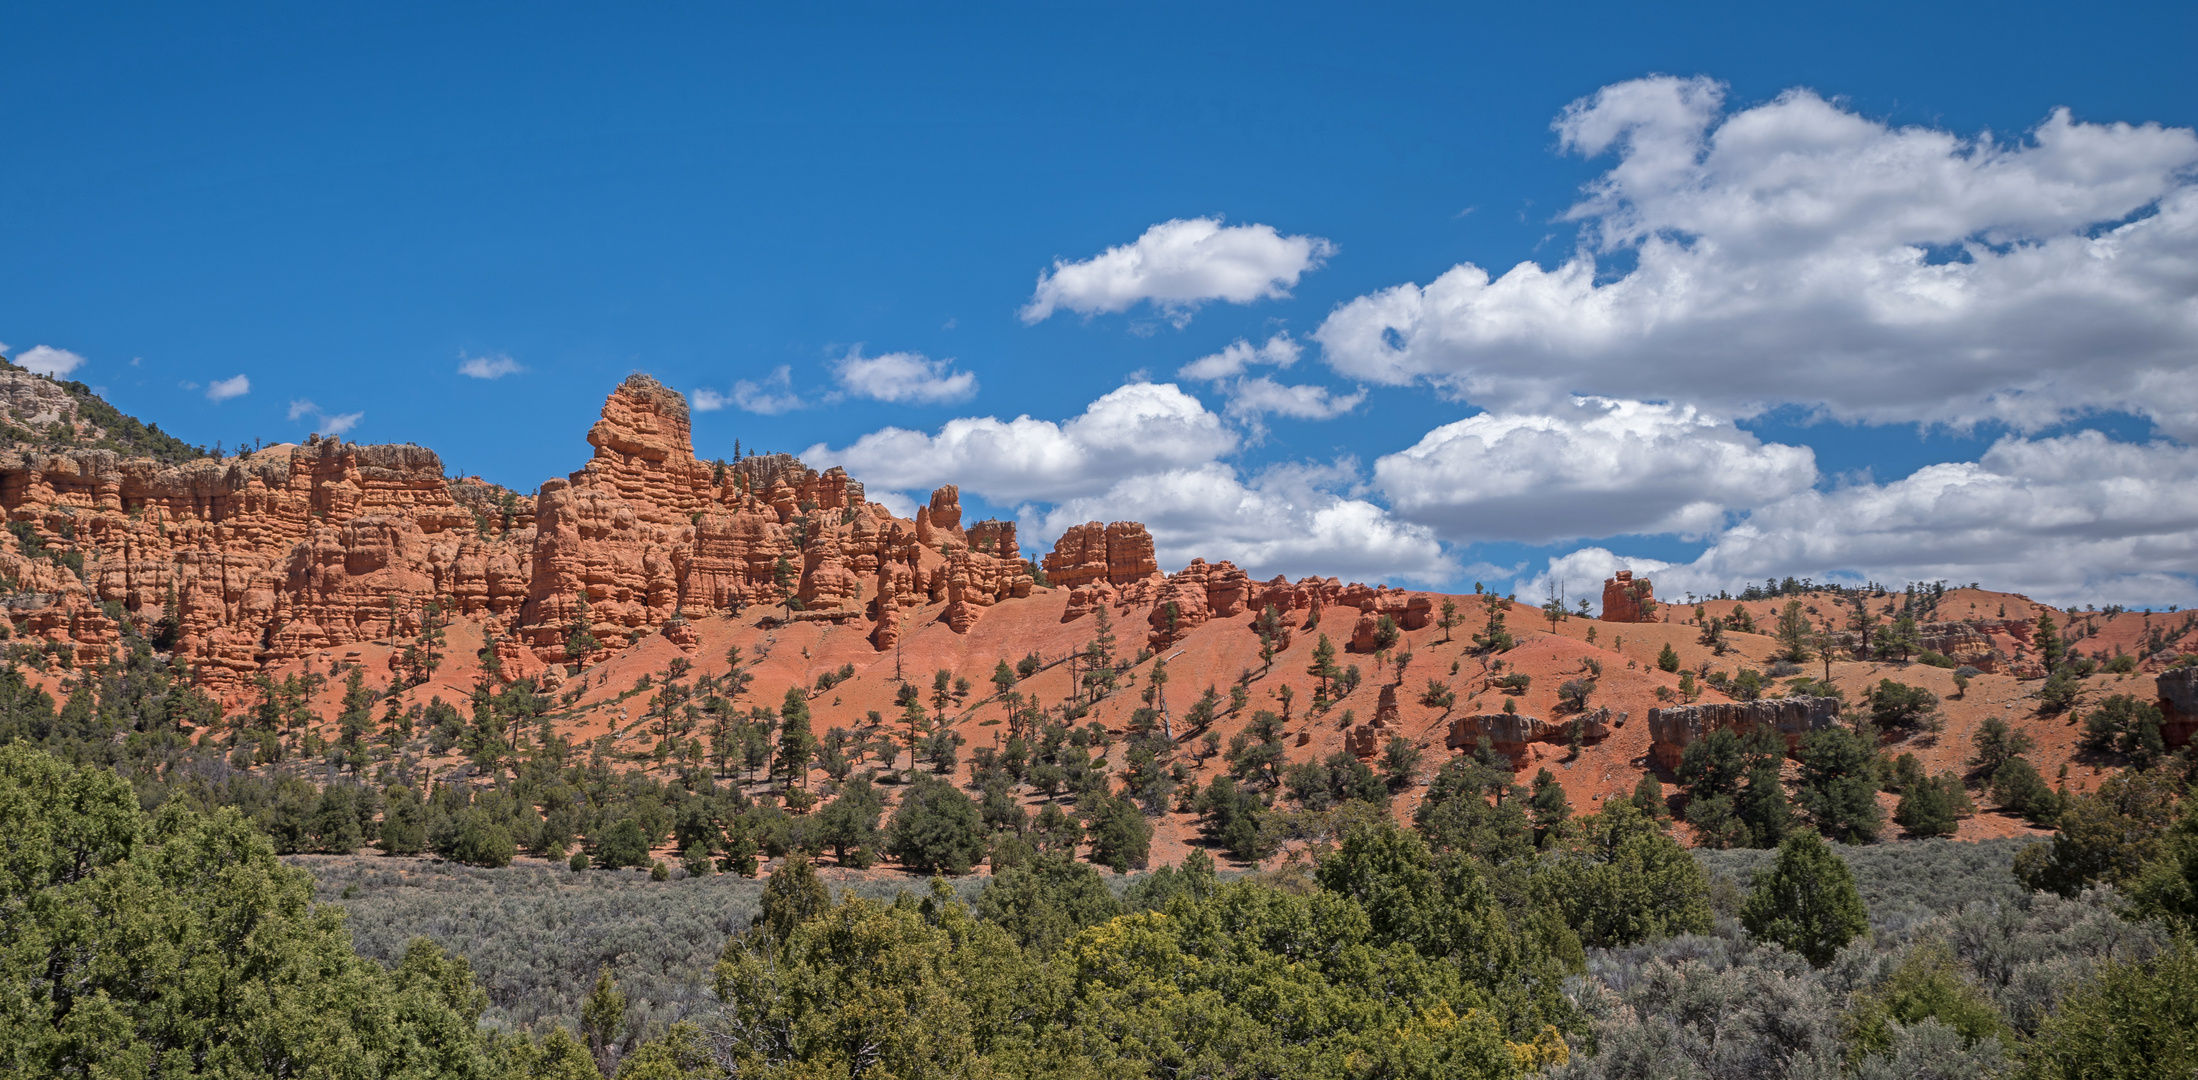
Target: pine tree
(795, 741)
(1323, 666)
(1838, 785)
(1793, 633)
(1549, 808)
(1493, 637)
(2047, 640)
(784, 577)
(580, 636)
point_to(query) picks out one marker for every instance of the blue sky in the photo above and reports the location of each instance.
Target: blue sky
(1723, 365)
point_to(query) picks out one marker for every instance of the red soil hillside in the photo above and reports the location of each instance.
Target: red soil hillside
(330, 557)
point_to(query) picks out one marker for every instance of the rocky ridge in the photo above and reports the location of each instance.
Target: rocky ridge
(244, 563)
(262, 558)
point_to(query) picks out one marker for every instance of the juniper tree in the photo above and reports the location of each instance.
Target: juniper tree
(1806, 902)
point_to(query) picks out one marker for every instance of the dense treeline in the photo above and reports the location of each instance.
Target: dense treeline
(1500, 934)
(175, 942)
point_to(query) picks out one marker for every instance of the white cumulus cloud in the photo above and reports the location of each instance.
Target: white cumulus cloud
(1284, 521)
(1250, 399)
(770, 397)
(904, 377)
(494, 366)
(323, 421)
(1134, 429)
(2069, 519)
(47, 360)
(1178, 265)
(1240, 354)
(1797, 252)
(235, 386)
(1591, 467)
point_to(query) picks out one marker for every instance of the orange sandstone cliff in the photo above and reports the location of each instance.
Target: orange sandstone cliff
(263, 558)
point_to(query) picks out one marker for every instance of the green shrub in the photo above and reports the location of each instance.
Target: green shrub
(936, 829)
(2105, 835)
(1899, 707)
(2018, 788)
(1806, 903)
(2132, 1020)
(1930, 807)
(1121, 838)
(181, 939)
(1927, 985)
(1047, 900)
(624, 843)
(2125, 724)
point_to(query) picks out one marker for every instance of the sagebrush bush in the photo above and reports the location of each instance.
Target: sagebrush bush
(536, 934)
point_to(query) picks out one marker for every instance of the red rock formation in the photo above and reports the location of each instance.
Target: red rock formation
(1365, 740)
(1509, 733)
(1672, 730)
(2178, 689)
(1628, 599)
(1117, 553)
(1194, 595)
(266, 557)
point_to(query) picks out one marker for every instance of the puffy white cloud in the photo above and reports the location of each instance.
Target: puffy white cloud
(1250, 399)
(1284, 521)
(333, 424)
(495, 366)
(1134, 429)
(904, 377)
(1148, 452)
(47, 360)
(1178, 265)
(2075, 518)
(235, 386)
(1240, 354)
(1582, 572)
(770, 397)
(1798, 252)
(1591, 467)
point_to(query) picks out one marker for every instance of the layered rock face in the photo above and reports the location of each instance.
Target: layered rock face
(2178, 706)
(1509, 733)
(266, 557)
(1672, 730)
(1971, 642)
(1627, 598)
(1203, 591)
